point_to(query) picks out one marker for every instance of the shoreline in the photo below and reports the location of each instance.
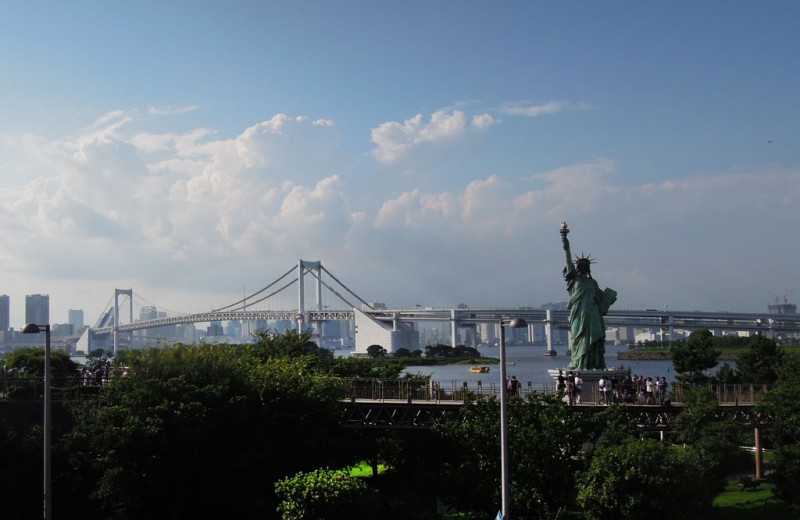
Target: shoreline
(665, 355)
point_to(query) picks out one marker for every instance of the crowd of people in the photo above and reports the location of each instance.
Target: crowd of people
(636, 389)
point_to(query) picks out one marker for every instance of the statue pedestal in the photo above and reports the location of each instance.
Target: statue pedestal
(590, 392)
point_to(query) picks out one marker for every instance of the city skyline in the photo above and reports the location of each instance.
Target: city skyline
(426, 153)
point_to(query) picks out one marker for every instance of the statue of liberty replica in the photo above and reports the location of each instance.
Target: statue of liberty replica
(587, 306)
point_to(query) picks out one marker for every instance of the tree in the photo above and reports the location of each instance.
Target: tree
(463, 351)
(32, 360)
(759, 365)
(694, 356)
(203, 430)
(376, 351)
(638, 477)
(438, 350)
(20, 470)
(782, 404)
(713, 439)
(292, 344)
(544, 444)
(324, 494)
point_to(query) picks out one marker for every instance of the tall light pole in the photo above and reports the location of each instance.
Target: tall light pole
(505, 483)
(32, 328)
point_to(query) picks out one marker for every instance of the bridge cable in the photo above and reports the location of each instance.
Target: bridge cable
(345, 287)
(141, 298)
(242, 308)
(258, 292)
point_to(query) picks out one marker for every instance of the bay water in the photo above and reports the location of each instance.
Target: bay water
(530, 364)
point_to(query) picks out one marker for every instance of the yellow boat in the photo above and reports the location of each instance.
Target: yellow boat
(479, 370)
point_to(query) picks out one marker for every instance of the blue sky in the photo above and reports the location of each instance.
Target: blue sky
(425, 152)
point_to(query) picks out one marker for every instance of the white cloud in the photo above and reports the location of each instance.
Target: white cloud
(528, 110)
(171, 110)
(395, 139)
(121, 204)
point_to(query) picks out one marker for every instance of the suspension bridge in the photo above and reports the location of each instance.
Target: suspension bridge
(308, 295)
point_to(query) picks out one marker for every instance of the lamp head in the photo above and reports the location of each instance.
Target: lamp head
(31, 328)
(518, 323)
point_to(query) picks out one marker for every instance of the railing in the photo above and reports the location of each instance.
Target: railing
(455, 390)
(30, 387)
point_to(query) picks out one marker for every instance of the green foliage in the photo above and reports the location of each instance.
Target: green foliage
(693, 356)
(270, 344)
(376, 351)
(613, 426)
(324, 494)
(447, 351)
(20, 471)
(203, 430)
(787, 475)
(544, 450)
(713, 439)
(759, 364)
(783, 406)
(32, 360)
(353, 367)
(728, 375)
(640, 478)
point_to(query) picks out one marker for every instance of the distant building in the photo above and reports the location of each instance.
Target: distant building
(215, 329)
(37, 309)
(782, 308)
(75, 318)
(5, 313)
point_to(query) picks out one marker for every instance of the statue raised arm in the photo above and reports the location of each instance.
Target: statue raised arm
(565, 242)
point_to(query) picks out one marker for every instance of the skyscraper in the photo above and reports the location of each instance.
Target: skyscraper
(37, 309)
(5, 312)
(75, 318)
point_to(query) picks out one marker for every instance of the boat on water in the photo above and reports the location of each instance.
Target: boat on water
(480, 369)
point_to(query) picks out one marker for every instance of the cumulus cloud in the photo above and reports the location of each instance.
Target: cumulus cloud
(122, 203)
(394, 139)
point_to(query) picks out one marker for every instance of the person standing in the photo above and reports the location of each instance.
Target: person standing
(601, 386)
(578, 387)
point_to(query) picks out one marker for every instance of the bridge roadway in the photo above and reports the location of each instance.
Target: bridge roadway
(776, 324)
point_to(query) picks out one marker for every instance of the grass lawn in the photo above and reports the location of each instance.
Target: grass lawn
(365, 470)
(753, 504)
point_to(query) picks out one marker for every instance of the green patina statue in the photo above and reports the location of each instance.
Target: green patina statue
(587, 306)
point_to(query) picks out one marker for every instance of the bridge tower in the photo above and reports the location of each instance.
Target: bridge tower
(302, 268)
(117, 294)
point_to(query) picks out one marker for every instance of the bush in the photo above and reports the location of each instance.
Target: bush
(638, 477)
(324, 494)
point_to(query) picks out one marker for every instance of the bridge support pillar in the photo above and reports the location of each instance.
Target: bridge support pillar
(548, 329)
(759, 453)
(453, 329)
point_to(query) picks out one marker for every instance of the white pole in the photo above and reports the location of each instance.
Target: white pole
(504, 472)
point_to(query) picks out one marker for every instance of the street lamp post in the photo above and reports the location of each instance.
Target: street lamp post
(505, 483)
(32, 328)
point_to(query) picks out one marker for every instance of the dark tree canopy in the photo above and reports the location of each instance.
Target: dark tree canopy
(691, 358)
(641, 478)
(760, 363)
(204, 430)
(32, 360)
(544, 445)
